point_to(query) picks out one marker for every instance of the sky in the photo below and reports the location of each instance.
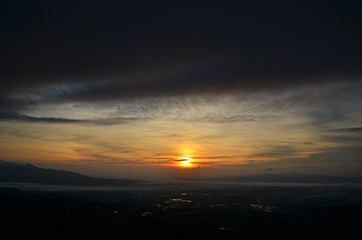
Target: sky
(143, 89)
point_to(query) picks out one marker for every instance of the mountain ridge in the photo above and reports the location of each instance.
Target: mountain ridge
(291, 178)
(15, 172)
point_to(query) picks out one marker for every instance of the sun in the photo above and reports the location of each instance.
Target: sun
(185, 162)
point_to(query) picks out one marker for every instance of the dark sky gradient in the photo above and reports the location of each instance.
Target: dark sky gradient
(147, 48)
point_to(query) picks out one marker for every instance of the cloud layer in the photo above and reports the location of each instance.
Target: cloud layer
(160, 48)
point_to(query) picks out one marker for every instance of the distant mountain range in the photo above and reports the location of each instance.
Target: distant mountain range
(28, 173)
(292, 178)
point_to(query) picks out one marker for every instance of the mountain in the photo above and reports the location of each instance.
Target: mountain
(13, 172)
(292, 178)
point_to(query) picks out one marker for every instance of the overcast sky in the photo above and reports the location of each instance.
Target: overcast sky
(139, 88)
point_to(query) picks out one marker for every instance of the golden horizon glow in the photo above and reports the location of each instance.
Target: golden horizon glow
(191, 133)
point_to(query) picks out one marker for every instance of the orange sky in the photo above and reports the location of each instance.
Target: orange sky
(228, 133)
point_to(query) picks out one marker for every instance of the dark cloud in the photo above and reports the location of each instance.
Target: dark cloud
(18, 117)
(344, 135)
(24, 118)
(87, 52)
(122, 49)
(181, 160)
(347, 130)
(343, 139)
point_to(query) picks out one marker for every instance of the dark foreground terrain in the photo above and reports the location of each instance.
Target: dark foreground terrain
(181, 211)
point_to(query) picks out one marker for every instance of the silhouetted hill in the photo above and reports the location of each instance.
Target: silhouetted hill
(293, 178)
(13, 172)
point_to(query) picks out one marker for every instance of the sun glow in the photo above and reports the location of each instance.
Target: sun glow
(185, 162)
